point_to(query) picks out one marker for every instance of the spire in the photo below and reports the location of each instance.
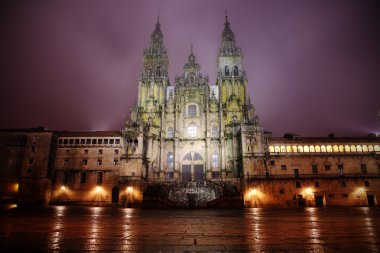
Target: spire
(228, 39)
(191, 62)
(156, 46)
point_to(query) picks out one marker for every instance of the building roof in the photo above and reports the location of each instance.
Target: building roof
(90, 134)
(325, 140)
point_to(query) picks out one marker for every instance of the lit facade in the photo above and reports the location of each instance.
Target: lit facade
(190, 144)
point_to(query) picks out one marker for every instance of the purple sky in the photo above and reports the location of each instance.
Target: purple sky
(313, 66)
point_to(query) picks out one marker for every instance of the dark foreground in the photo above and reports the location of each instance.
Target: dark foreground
(102, 229)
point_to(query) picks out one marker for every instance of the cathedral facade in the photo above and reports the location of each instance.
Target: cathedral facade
(193, 130)
(192, 144)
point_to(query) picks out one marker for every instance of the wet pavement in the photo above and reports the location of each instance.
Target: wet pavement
(61, 228)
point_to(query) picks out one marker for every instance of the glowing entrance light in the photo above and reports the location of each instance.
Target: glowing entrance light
(129, 189)
(63, 188)
(98, 189)
(253, 192)
(308, 191)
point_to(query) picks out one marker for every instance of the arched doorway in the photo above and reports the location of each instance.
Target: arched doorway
(115, 195)
(192, 167)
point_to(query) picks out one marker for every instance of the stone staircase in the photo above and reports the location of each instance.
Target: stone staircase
(194, 194)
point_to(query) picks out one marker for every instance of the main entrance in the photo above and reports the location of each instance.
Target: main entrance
(192, 167)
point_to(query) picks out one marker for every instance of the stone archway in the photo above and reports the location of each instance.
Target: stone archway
(192, 167)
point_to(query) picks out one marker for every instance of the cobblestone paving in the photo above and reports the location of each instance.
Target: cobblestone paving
(250, 230)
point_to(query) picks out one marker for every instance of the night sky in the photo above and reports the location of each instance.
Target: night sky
(313, 66)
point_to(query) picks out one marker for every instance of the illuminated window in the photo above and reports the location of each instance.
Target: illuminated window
(335, 148)
(370, 148)
(323, 148)
(365, 148)
(271, 149)
(300, 149)
(353, 148)
(192, 130)
(311, 148)
(99, 178)
(215, 161)
(359, 148)
(170, 162)
(294, 148)
(277, 149)
(170, 132)
(283, 149)
(83, 175)
(329, 148)
(191, 110)
(317, 149)
(347, 148)
(288, 149)
(306, 148)
(341, 148)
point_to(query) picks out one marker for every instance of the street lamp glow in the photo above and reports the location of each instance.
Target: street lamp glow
(98, 189)
(253, 192)
(63, 188)
(129, 189)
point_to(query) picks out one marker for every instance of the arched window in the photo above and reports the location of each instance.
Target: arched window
(148, 70)
(226, 71)
(170, 162)
(294, 148)
(158, 71)
(347, 148)
(329, 148)
(335, 148)
(323, 148)
(300, 149)
(215, 160)
(353, 148)
(359, 148)
(170, 133)
(192, 130)
(271, 149)
(191, 110)
(236, 71)
(306, 148)
(370, 148)
(341, 148)
(289, 149)
(277, 149)
(283, 149)
(311, 148)
(214, 131)
(365, 148)
(317, 149)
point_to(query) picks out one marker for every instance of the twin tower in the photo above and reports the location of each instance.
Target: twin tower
(193, 130)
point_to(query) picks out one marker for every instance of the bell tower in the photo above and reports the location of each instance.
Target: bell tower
(231, 77)
(153, 80)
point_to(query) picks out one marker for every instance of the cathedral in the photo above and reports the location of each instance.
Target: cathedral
(193, 130)
(192, 144)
